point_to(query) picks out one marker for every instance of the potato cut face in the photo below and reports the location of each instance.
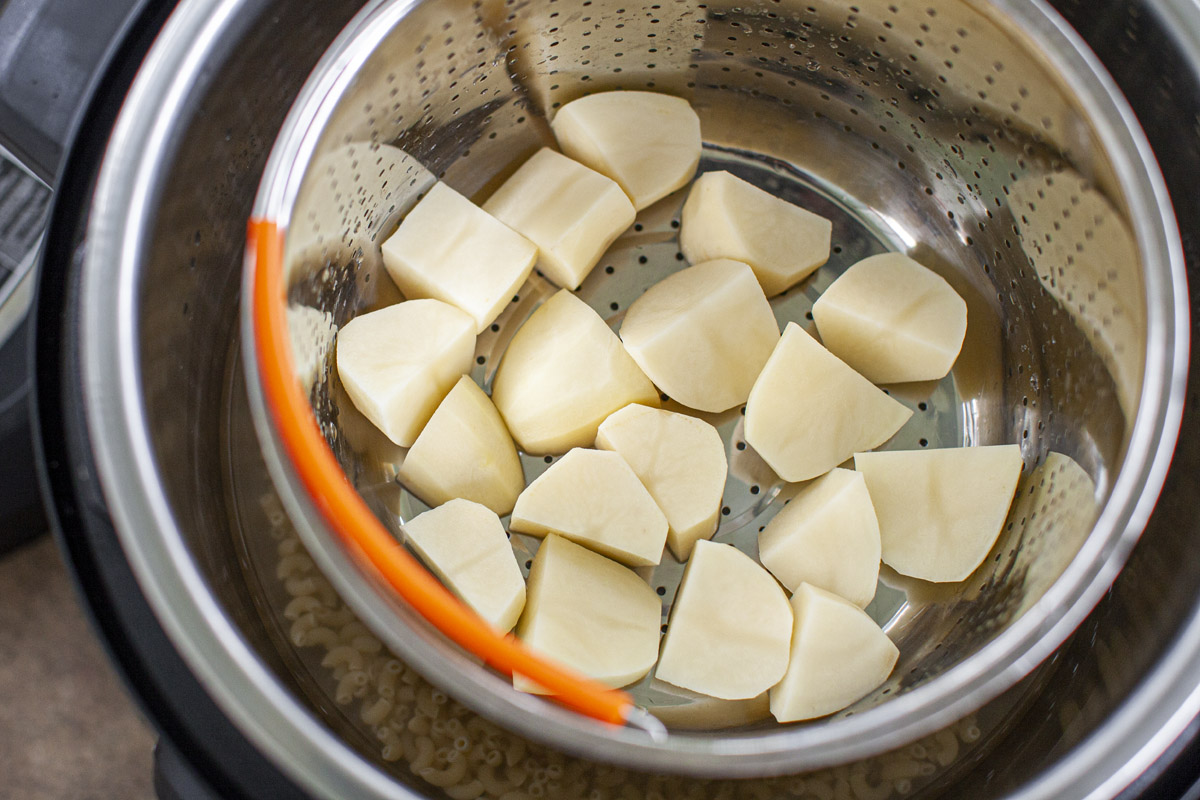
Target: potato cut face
(562, 374)
(727, 217)
(464, 544)
(572, 213)
(681, 462)
(590, 613)
(827, 535)
(809, 412)
(730, 628)
(647, 142)
(940, 511)
(450, 249)
(465, 451)
(892, 320)
(703, 334)
(838, 656)
(398, 363)
(593, 498)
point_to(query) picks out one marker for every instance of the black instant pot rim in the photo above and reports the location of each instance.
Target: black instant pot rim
(167, 691)
(199, 746)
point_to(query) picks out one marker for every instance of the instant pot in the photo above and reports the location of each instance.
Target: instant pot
(200, 566)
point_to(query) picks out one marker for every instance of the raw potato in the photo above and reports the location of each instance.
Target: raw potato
(590, 613)
(827, 535)
(730, 629)
(940, 511)
(809, 412)
(465, 451)
(726, 217)
(563, 373)
(892, 320)
(398, 363)
(466, 547)
(593, 498)
(647, 142)
(450, 249)
(703, 334)
(838, 656)
(680, 460)
(570, 212)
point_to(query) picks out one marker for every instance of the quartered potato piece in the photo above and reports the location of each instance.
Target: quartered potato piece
(450, 249)
(826, 535)
(680, 460)
(727, 217)
(703, 334)
(647, 142)
(838, 656)
(570, 212)
(940, 511)
(464, 544)
(398, 363)
(730, 627)
(590, 613)
(563, 373)
(809, 412)
(465, 451)
(592, 497)
(892, 320)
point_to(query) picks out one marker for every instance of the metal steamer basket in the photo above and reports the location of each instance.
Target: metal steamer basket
(983, 139)
(1014, 175)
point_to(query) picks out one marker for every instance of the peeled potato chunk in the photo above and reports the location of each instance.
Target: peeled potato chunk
(838, 656)
(940, 511)
(703, 334)
(593, 497)
(809, 412)
(398, 363)
(464, 544)
(730, 629)
(726, 217)
(450, 249)
(892, 320)
(465, 451)
(647, 142)
(826, 535)
(563, 373)
(570, 212)
(681, 462)
(590, 613)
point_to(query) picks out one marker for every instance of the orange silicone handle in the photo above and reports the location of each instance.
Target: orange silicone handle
(345, 512)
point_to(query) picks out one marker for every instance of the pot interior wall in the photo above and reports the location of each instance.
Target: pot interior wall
(856, 106)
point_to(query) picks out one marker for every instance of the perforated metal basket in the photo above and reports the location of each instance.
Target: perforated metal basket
(980, 138)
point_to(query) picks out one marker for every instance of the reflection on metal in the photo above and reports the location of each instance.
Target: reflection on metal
(312, 333)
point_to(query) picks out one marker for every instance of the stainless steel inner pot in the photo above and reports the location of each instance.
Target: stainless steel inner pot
(222, 566)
